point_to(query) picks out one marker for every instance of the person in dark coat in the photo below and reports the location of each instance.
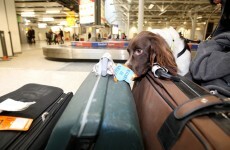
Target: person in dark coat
(99, 36)
(210, 67)
(32, 35)
(49, 36)
(29, 35)
(89, 36)
(61, 36)
(224, 22)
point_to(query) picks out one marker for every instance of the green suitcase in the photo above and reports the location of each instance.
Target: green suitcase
(101, 115)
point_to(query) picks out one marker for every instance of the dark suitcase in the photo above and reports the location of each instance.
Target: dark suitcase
(50, 103)
(101, 115)
(180, 115)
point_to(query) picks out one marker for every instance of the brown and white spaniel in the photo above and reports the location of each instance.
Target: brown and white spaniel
(148, 48)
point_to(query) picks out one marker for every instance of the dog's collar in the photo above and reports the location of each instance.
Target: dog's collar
(182, 52)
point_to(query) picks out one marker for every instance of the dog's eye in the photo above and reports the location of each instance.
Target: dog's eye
(138, 51)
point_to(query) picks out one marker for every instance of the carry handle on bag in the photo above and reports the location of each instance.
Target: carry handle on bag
(181, 113)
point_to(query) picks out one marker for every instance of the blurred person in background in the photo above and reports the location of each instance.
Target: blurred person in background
(49, 36)
(61, 36)
(123, 36)
(89, 36)
(224, 22)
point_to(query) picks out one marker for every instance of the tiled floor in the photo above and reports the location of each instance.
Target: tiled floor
(31, 67)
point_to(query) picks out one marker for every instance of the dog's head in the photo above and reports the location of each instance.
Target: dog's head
(146, 49)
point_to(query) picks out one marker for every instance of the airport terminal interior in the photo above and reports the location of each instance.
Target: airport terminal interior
(27, 62)
(58, 42)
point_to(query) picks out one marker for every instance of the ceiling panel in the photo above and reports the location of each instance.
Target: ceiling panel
(175, 12)
(39, 7)
(36, 4)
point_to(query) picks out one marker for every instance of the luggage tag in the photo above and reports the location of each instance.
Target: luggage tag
(15, 123)
(13, 105)
(122, 72)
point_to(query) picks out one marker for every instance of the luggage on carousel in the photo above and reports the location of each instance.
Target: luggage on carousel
(50, 103)
(178, 114)
(101, 115)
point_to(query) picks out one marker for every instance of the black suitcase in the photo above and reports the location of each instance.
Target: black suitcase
(50, 103)
(100, 116)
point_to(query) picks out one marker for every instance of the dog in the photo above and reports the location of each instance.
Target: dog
(148, 48)
(179, 47)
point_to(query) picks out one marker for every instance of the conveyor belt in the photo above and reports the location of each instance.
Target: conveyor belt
(68, 52)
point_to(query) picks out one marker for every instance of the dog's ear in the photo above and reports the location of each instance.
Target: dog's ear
(161, 53)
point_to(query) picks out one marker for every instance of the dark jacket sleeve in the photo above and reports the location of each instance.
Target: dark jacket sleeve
(212, 60)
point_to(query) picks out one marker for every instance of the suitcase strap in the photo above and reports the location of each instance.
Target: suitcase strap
(174, 125)
(191, 106)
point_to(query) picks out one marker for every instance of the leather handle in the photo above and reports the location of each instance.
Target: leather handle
(196, 104)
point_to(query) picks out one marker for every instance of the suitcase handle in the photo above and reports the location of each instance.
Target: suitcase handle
(199, 103)
(173, 127)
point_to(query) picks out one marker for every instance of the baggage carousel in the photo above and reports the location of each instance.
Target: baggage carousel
(74, 52)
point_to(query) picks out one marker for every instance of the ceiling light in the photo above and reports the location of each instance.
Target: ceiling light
(162, 12)
(162, 9)
(26, 20)
(150, 6)
(47, 19)
(52, 11)
(63, 23)
(28, 14)
(42, 25)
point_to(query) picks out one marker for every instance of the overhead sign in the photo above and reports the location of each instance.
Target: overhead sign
(87, 11)
(70, 18)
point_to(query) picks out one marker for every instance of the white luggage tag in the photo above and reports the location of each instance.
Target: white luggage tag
(13, 105)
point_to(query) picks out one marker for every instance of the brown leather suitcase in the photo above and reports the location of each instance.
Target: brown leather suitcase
(180, 114)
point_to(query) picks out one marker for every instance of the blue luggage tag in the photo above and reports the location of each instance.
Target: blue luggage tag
(122, 72)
